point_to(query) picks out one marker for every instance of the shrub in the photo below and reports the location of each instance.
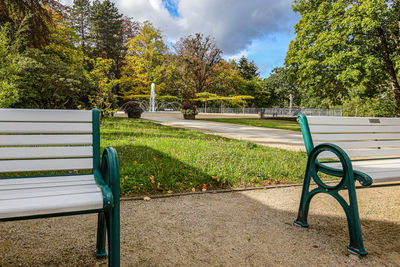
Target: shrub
(189, 109)
(132, 107)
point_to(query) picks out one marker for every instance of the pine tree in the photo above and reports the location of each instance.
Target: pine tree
(106, 31)
(80, 18)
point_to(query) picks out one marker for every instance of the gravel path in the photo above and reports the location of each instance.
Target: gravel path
(252, 228)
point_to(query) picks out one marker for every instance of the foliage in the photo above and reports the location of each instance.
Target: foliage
(248, 70)
(342, 45)
(198, 57)
(106, 32)
(382, 106)
(143, 62)
(279, 87)
(189, 109)
(54, 76)
(132, 107)
(32, 14)
(160, 159)
(80, 18)
(225, 79)
(11, 62)
(104, 97)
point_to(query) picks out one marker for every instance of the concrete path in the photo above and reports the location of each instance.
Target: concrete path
(264, 136)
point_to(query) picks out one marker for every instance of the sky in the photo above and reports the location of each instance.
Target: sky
(260, 30)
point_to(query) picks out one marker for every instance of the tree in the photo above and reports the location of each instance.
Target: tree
(106, 32)
(144, 61)
(345, 49)
(199, 57)
(226, 79)
(80, 18)
(30, 13)
(248, 70)
(280, 87)
(54, 77)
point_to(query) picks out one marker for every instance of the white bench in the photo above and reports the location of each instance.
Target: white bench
(36, 141)
(366, 150)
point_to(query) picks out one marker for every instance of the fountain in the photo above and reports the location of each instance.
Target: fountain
(152, 101)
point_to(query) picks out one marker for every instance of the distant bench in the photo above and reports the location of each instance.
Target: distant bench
(366, 150)
(34, 141)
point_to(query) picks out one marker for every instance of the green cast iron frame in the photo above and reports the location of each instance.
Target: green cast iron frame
(349, 176)
(107, 177)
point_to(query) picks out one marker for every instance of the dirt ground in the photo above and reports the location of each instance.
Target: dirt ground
(252, 228)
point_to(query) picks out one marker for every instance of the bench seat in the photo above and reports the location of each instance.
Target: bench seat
(21, 197)
(381, 171)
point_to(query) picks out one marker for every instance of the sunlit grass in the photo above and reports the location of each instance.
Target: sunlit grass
(267, 123)
(156, 158)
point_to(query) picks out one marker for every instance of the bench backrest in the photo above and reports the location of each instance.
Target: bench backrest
(49, 140)
(359, 137)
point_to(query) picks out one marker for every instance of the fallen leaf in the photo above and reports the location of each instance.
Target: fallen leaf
(135, 162)
(204, 187)
(193, 189)
(169, 191)
(146, 198)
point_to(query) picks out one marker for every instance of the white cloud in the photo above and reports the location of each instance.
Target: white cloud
(233, 23)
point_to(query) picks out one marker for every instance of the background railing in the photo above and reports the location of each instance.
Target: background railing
(275, 112)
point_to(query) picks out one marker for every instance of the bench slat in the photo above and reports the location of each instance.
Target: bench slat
(368, 153)
(322, 120)
(354, 129)
(45, 152)
(45, 115)
(50, 205)
(366, 144)
(48, 191)
(355, 137)
(37, 140)
(45, 165)
(39, 127)
(75, 179)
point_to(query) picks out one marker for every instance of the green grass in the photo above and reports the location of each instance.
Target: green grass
(277, 124)
(161, 159)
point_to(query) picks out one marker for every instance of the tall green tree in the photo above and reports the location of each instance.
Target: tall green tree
(106, 32)
(199, 57)
(346, 48)
(80, 18)
(31, 13)
(144, 61)
(248, 69)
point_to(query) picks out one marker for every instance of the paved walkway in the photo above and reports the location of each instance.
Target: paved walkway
(263, 136)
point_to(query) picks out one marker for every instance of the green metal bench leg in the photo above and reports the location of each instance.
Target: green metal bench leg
(304, 202)
(101, 236)
(356, 245)
(113, 227)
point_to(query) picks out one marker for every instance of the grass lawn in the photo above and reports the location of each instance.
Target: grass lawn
(277, 124)
(161, 159)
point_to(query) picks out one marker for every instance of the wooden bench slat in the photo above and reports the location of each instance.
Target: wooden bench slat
(44, 127)
(46, 185)
(37, 140)
(45, 152)
(322, 120)
(371, 153)
(45, 115)
(48, 191)
(355, 137)
(366, 144)
(45, 165)
(354, 129)
(46, 179)
(50, 205)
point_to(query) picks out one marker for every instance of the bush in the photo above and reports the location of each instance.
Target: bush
(189, 109)
(132, 107)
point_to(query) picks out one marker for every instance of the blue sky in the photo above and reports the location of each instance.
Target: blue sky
(261, 30)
